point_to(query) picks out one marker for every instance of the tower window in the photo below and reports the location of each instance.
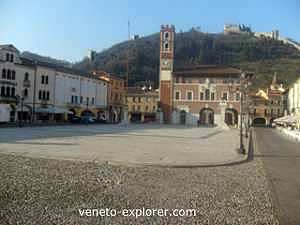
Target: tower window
(166, 46)
(167, 35)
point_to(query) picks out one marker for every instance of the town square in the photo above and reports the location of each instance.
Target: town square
(132, 112)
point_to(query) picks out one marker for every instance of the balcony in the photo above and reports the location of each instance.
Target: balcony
(73, 104)
(8, 99)
(26, 83)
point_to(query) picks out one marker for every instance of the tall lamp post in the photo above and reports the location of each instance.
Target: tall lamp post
(20, 99)
(244, 83)
(87, 109)
(242, 148)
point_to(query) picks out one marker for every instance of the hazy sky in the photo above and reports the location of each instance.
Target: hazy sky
(66, 29)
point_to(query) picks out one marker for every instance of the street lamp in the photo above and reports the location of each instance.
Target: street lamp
(244, 83)
(87, 109)
(20, 99)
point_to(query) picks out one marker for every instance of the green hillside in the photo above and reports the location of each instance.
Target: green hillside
(264, 56)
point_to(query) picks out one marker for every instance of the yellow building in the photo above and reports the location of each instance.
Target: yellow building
(142, 105)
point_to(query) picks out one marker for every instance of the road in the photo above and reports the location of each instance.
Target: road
(281, 159)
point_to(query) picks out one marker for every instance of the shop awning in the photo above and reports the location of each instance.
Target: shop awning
(53, 110)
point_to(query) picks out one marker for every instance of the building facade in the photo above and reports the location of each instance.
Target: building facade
(115, 96)
(269, 104)
(294, 98)
(142, 105)
(203, 94)
(38, 91)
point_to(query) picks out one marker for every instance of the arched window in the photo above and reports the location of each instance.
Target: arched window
(7, 91)
(11, 57)
(48, 95)
(166, 46)
(166, 35)
(8, 74)
(26, 76)
(4, 74)
(40, 94)
(2, 91)
(13, 90)
(25, 92)
(7, 57)
(207, 93)
(44, 95)
(13, 75)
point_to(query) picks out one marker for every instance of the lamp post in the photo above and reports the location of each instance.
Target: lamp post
(242, 148)
(87, 109)
(20, 99)
(242, 91)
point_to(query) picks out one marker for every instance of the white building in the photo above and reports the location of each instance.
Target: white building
(41, 91)
(294, 98)
(273, 34)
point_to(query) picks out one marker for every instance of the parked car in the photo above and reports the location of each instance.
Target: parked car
(88, 119)
(75, 119)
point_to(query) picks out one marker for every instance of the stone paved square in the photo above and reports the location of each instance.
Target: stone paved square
(119, 144)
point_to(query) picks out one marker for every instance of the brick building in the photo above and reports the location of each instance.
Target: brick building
(204, 94)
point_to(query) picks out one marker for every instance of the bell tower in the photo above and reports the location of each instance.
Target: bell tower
(167, 36)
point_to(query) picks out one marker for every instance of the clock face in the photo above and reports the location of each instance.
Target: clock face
(166, 62)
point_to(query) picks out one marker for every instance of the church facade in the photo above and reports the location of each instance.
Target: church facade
(199, 94)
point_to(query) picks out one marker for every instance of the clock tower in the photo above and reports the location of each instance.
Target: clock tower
(167, 36)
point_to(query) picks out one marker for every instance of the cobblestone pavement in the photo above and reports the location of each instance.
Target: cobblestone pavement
(132, 144)
(46, 191)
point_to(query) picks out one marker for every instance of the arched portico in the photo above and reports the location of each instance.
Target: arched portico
(182, 117)
(231, 117)
(87, 113)
(259, 121)
(206, 116)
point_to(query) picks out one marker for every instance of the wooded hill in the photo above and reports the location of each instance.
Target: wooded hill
(261, 55)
